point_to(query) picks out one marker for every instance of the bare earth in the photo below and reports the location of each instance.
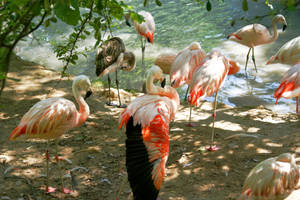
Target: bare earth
(246, 135)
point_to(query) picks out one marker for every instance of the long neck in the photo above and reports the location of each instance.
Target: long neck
(151, 88)
(275, 33)
(84, 109)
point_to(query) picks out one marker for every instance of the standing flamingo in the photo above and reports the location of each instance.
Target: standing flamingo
(257, 34)
(145, 29)
(50, 118)
(147, 121)
(111, 57)
(272, 179)
(184, 65)
(288, 54)
(290, 85)
(208, 79)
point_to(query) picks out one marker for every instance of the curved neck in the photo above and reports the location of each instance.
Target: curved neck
(275, 33)
(84, 110)
(151, 88)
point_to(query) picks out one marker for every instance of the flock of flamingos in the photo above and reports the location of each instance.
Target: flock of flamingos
(148, 116)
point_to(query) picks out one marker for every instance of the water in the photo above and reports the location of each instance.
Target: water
(178, 23)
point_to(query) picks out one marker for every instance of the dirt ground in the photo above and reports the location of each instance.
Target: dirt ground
(96, 150)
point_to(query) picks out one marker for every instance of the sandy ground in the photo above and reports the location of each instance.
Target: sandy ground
(97, 148)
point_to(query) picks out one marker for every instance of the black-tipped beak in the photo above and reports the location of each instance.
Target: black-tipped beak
(148, 39)
(173, 83)
(88, 94)
(163, 83)
(284, 27)
(228, 36)
(127, 23)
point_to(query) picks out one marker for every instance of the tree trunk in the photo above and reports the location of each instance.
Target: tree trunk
(5, 54)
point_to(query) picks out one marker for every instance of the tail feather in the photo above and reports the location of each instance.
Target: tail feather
(139, 168)
(284, 87)
(19, 130)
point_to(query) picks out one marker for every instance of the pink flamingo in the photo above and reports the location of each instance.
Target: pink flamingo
(290, 85)
(50, 118)
(274, 178)
(257, 34)
(184, 65)
(147, 121)
(208, 79)
(288, 54)
(145, 29)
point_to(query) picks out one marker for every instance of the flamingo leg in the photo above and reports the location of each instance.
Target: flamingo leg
(213, 147)
(63, 189)
(121, 188)
(190, 124)
(297, 102)
(48, 189)
(247, 60)
(253, 59)
(143, 46)
(186, 93)
(117, 83)
(109, 82)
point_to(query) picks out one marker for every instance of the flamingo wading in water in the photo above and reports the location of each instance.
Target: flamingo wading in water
(256, 34)
(290, 85)
(288, 54)
(208, 79)
(272, 179)
(184, 65)
(111, 57)
(50, 118)
(147, 121)
(145, 29)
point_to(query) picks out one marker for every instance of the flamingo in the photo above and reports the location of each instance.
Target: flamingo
(184, 65)
(256, 34)
(208, 79)
(145, 29)
(50, 118)
(272, 179)
(111, 57)
(290, 85)
(165, 61)
(147, 121)
(288, 54)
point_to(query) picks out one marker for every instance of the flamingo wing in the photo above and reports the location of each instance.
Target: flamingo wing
(273, 178)
(290, 84)
(146, 28)
(147, 144)
(108, 54)
(47, 119)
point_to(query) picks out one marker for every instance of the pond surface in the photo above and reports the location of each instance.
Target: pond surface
(178, 23)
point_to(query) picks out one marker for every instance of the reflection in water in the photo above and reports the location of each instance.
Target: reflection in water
(178, 23)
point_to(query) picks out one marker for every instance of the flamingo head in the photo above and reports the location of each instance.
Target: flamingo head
(156, 73)
(129, 61)
(127, 17)
(150, 37)
(280, 18)
(83, 82)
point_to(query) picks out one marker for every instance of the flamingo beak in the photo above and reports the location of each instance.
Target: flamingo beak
(173, 83)
(163, 83)
(127, 23)
(88, 94)
(284, 27)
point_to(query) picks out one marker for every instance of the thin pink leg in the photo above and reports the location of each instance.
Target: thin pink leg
(48, 188)
(297, 105)
(190, 124)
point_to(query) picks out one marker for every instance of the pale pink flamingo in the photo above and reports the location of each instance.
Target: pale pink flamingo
(165, 61)
(257, 34)
(50, 118)
(208, 79)
(111, 57)
(288, 54)
(272, 179)
(147, 121)
(290, 85)
(184, 65)
(145, 29)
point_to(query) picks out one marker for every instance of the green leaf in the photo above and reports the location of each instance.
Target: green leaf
(136, 17)
(68, 14)
(145, 3)
(158, 2)
(245, 5)
(47, 5)
(99, 5)
(47, 23)
(208, 6)
(53, 19)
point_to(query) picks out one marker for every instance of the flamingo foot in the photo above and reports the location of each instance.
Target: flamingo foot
(212, 148)
(66, 191)
(50, 189)
(111, 104)
(190, 124)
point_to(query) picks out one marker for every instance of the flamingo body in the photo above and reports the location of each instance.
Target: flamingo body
(165, 61)
(185, 64)
(147, 28)
(288, 54)
(272, 179)
(147, 121)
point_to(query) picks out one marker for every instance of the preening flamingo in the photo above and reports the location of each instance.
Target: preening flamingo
(272, 179)
(208, 79)
(111, 57)
(165, 61)
(147, 121)
(184, 65)
(50, 118)
(145, 29)
(290, 85)
(257, 34)
(288, 54)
